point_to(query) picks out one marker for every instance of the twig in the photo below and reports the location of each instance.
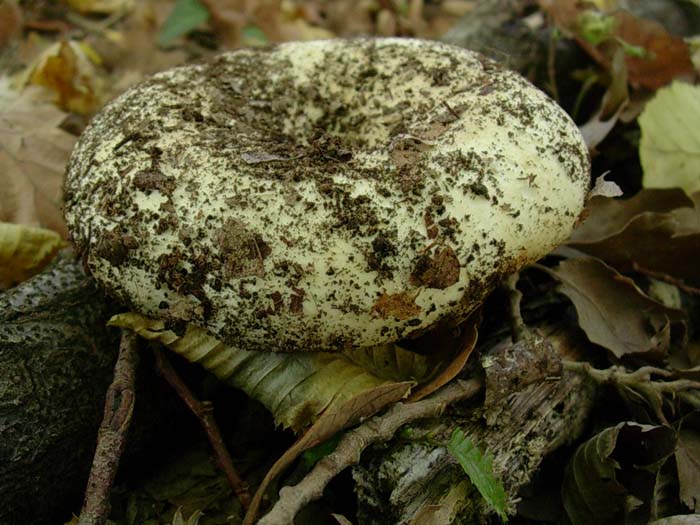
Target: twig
(666, 278)
(377, 429)
(518, 328)
(119, 406)
(205, 413)
(639, 381)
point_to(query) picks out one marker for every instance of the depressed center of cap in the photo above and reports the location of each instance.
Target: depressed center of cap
(319, 195)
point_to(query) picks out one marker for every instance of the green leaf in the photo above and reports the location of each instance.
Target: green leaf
(185, 16)
(252, 36)
(595, 27)
(479, 468)
(670, 144)
(320, 451)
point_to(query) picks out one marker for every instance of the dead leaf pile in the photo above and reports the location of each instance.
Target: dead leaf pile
(627, 274)
(34, 151)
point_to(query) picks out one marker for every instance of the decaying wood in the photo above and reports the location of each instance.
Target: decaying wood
(378, 429)
(56, 362)
(111, 439)
(532, 407)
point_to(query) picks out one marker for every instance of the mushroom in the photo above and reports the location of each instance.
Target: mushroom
(313, 196)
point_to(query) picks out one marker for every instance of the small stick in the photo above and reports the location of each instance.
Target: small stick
(377, 429)
(205, 413)
(666, 278)
(518, 328)
(119, 406)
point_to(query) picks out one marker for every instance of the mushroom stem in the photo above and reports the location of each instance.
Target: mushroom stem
(204, 411)
(119, 406)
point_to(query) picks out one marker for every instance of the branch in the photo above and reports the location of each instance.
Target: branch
(639, 381)
(203, 410)
(376, 429)
(119, 406)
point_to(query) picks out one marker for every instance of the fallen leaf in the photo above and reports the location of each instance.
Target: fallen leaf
(185, 16)
(330, 423)
(612, 477)
(612, 311)
(133, 53)
(680, 519)
(275, 20)
(688, 461)
(392, 362)
(608, 217)
(342, 520)
(670, 145)
(10, 22)
(34, 152)
(70, 71)
(657, 230)
(25, 251)
(178, 518)
(452, 367)
(478, 466)
(653, 56)
(298, 388)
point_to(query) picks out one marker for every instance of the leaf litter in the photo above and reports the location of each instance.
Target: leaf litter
(635, 246)
(34, 151)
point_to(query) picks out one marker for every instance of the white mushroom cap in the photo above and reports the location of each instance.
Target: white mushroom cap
(319, 195)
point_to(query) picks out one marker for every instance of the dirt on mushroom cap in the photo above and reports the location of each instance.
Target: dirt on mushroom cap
(320, 195)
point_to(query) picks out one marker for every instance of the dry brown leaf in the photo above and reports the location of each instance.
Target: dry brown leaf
(33, 155)
(132, 53)
(278, 20)
(688, 461)
(613, 312)
(10, 22)
(464, 347)
(667, 56)
(657, 230)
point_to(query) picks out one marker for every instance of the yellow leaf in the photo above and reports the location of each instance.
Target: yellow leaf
(298, 388)
(670, 144)
(24, 251)
(69, 70)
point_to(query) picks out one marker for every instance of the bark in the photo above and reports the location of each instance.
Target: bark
(56, 363)
(523, 419)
